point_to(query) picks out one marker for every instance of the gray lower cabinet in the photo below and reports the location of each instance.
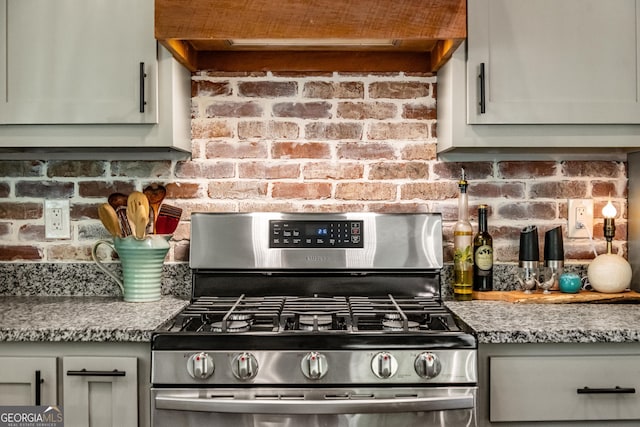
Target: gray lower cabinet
(98, 384)
(27, 381)
(100, 391)
(559, 384)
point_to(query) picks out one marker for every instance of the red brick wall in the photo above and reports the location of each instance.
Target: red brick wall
(328, 142)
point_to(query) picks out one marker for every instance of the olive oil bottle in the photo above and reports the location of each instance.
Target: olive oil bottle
(462, 247)
(482, 254)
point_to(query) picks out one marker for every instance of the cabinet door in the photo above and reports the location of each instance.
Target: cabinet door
(26, 381)
(564, 388)
(77, 62)
(100, 391)
(553, 61)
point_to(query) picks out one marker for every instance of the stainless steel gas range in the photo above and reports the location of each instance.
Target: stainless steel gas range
(314, 320)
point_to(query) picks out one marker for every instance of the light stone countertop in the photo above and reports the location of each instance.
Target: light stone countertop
(109, 319)
(498, 322)
(86, 319)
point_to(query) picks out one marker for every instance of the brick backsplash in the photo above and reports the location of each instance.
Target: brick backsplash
(320, 143)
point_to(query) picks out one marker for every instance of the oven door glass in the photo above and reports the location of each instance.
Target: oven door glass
(344, 407)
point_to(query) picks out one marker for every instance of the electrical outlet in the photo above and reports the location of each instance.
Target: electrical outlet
(580, 218)
(57, 221)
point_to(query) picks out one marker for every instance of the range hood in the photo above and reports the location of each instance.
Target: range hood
(311, 35)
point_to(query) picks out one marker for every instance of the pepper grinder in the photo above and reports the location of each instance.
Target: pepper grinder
(528, 259)
(553, 258)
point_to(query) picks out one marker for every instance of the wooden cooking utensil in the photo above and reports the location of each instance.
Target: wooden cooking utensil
(109, 219)
(125, 226)
(118, 201)
(155, 194)
(138, 213)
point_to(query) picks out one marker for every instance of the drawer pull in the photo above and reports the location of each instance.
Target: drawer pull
(84, 372)
(612, 390)
(38, 387)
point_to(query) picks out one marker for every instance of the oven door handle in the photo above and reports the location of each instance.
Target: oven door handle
(315, 407)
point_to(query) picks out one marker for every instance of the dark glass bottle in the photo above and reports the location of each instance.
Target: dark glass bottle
(483, 254)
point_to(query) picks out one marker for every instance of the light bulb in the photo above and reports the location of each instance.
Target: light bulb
(609, 211)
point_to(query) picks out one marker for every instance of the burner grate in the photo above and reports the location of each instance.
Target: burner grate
(314, 314)
(230, 314)
(400, 314)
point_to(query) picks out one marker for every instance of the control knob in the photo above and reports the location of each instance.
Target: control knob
(384, 365)
(427, 365)
(244, 366)
(200, 366)
(314, 365)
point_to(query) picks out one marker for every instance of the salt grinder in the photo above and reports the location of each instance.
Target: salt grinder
(529, 258)
(553, 255)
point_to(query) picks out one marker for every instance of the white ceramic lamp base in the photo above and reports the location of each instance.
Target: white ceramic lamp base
(609, 273)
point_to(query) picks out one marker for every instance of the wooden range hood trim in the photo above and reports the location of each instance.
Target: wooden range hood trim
(316, 61)
(181, 25)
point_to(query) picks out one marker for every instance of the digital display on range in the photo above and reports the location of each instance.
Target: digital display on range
(315, 234)
(317, 230)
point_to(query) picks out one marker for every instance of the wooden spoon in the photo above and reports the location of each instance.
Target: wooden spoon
(138, 213)
(155, 193)
(117, 199)
(109, 219)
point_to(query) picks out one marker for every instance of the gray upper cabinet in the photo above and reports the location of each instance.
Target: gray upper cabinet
(553, 61)
(77, 62)
(85, 79)
(560, 82)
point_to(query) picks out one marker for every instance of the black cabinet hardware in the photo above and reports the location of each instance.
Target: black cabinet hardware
(143, 75)
(611, 390)
(85, 373)
(38, 387)
(481, 77)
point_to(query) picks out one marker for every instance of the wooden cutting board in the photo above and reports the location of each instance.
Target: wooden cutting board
(557, 297)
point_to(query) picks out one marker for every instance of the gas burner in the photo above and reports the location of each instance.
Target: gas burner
(397, 325)
(394, 315)
(314, 322)
(233, 326)
(239, 316)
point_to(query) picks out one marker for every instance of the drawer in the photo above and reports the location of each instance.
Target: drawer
(545, 388)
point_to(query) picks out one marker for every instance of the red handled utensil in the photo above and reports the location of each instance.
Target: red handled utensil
(168, 219)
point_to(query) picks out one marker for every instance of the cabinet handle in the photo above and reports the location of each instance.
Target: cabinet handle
(142, 77)
(612, 390)
(482, 103)
(84, 372)
(38, 387)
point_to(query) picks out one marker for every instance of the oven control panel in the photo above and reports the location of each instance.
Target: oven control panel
(310, 366)
(315, 234)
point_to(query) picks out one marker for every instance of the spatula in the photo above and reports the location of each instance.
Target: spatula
(168, 219)
(138, 213)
